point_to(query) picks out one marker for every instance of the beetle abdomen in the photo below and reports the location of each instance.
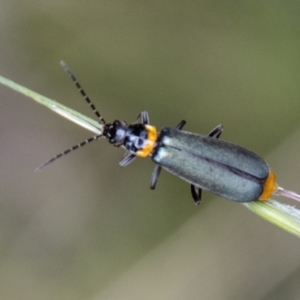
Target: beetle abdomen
(223, 168)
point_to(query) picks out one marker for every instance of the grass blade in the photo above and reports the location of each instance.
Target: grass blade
(281, 215)
(63, 110)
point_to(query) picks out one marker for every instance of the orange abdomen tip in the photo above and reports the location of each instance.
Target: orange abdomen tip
(270, 187)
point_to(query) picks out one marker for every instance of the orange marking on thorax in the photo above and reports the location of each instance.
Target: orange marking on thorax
(269, 187)
(150, 143)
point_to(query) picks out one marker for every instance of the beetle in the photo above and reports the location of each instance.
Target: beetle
(204, 161)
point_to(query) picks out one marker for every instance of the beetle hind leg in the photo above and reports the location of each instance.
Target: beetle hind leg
(216, 132)
(196, 194)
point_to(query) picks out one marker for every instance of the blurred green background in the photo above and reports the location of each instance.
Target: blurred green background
(85, 228)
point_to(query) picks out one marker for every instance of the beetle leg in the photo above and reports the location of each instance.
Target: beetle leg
(143, 118)
(154, 176)
(216, 132)
(128, 158)
(180, 125)
(196, 194)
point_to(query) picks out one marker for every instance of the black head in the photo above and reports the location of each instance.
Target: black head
(115, 132)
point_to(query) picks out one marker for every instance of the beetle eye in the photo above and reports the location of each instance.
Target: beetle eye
(116, 133)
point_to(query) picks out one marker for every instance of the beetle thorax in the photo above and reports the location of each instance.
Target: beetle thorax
(135, 137)
(132, 137)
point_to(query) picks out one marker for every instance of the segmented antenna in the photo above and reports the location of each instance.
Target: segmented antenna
(96, 112)
(82, 92)
(51, 160)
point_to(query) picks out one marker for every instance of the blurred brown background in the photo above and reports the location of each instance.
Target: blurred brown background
(85, 228)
